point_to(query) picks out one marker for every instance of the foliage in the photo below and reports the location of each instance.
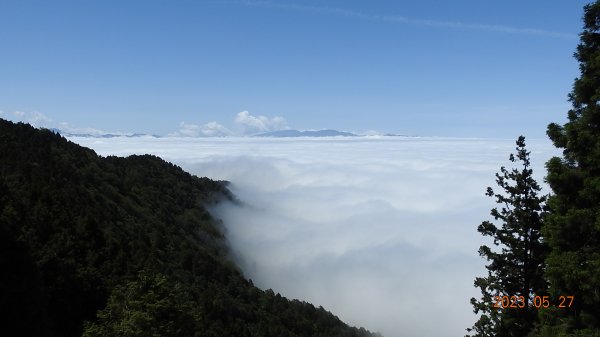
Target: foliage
(124, 247)
(515, 270)
(147, 306)
(573, 227)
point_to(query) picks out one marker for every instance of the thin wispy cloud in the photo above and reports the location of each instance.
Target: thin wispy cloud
(412, 21)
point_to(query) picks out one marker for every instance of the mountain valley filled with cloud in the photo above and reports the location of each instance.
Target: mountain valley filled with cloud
(380, 230)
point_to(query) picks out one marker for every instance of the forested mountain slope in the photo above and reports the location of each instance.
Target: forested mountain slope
(124, 247)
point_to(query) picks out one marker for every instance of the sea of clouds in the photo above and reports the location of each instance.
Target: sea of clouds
(379, 230)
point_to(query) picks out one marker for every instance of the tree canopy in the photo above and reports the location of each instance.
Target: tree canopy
(515, 268)
(570, 227)
(573, 226)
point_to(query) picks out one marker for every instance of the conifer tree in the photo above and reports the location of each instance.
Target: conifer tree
(515, 266)
(573, 227)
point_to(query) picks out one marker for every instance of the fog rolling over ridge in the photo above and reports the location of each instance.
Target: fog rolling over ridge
(381, 231)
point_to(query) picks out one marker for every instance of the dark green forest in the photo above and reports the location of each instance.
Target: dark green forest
(544, 264)
(94, 246)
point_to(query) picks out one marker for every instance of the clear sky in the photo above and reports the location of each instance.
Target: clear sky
(442, 68)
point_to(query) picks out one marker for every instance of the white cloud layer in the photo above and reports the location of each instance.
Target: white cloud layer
(381, 231)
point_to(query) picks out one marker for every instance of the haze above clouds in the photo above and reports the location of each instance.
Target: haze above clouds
(379, 230)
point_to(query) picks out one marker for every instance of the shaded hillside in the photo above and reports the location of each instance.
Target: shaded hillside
(124, 247)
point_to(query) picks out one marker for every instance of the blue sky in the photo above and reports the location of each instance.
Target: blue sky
(438, 68)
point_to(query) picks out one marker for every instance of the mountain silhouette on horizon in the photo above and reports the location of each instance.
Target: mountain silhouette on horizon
(310, 133)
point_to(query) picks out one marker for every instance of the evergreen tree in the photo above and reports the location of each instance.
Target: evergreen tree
(515, 269)
(573, 227)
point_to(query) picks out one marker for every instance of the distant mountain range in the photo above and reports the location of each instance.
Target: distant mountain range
(297, 133)
(100, 135)
(274, 134)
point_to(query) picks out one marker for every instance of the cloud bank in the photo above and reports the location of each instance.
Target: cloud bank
(245, 124)
(250, 124)
(381, 231)
(211, 129)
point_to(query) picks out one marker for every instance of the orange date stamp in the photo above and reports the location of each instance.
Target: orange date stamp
(537, 302)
